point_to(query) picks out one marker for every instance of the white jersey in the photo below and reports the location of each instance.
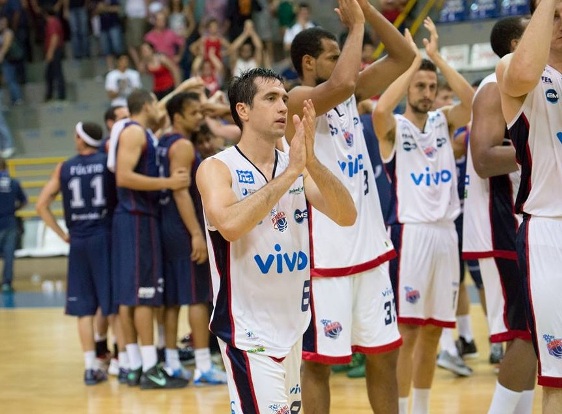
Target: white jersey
(342, 251)
(261, 282)
(536, 132)
(423, 172)
(489, 223)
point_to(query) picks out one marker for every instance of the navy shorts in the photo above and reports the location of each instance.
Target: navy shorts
(137, 260)
(185, 282)
(89, 276)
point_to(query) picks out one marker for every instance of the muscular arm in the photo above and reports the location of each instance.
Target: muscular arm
(381, 73)
(182, 155)
(234, 218)
(342, 82)
(46, 198)
(131, 144)
(489, 156)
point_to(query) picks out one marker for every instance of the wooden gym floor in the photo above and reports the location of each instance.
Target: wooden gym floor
(41, 367)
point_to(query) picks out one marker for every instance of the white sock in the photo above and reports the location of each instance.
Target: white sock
(149, 357)
(98, 337)
(134, 354)
(123, 359)
(504, 400)
(161, 337)
(447, 343)
(420, 401)
(203, 359)
(525, 404)
(173, 358)
(89, 359)
(464, 325)
(403, 405)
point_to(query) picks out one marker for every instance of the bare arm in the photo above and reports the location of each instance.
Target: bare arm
(182, 155)
(52, 47)
(489, 156)
(457, 115)
(172, 67)
(6, 43)
(384, 122)
(46, 198)
(131, 144)
(381, 73)
(342, 82)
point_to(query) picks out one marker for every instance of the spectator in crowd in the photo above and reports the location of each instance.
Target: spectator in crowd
(211, 42)
(303, 22)
(182, 22)
(18, 21)
(111, 38)
(135, 28)
(54, 49)
(238, 11)
(75, 12)
(6, 140)
(165, 73)
(285, 12)
(246, 52)
(12, 198)
(120, 82)
(10, 54)
(165, 40)
(266, 27)
(216, 9)
(211, 71)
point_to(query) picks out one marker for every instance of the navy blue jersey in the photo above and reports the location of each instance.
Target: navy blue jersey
(136, 201)
(169, 209)
(383, 184)
(11, 198)
(88, 194)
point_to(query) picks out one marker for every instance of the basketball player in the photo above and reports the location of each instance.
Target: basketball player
(137, 257)
(352, 300)
(419, 157)
(88, 200)
(186, 269)
(490, 230)
(255, 202)
(530, 84)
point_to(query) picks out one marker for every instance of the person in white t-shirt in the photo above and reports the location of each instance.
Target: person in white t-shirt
(120, 82)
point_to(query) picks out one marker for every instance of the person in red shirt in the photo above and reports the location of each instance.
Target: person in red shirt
(53, 47)
(165, 73)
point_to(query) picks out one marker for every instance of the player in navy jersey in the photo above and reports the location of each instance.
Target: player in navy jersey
(186, 268)
(87, 189)
(137, 261)
(419, 156)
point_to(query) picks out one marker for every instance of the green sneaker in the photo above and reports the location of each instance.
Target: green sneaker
(356, 361)
(357, 366)
(341, 368)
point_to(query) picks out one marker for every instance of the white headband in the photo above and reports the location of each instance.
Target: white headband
(85, 137)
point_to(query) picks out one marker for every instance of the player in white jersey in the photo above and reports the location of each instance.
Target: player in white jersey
(420, 159)
(255, 206)
(352, 299)
(490, 226)
(530, 83)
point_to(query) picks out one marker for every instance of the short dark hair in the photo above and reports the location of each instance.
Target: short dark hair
(111, 113)
(442, 84)
(504, 31)
(532, 6)
(137, 99)
(93, 130)
(428, 65)
(243, 89)
(178, 102)
(308, 42)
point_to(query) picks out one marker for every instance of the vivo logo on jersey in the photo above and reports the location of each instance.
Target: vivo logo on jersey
(351, 166)
(428, 178)
(283, 261)
(551, 96)
(245, 177)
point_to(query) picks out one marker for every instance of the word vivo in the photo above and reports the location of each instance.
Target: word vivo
(428, 178)
(351, 166)
(282, 261)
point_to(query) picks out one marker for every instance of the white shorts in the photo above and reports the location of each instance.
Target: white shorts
(259, 383)
(426, 273)
(539, 248)
(505, 299)
(351, 314)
